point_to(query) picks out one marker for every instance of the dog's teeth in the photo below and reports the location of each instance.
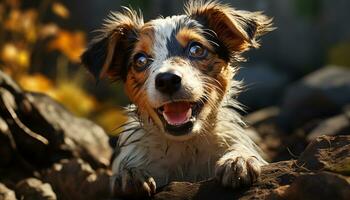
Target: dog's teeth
(192, 119)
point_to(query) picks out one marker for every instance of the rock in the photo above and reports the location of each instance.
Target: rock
(302, 179)
(322, 93)
(79, 135)
(272, 177)
(322, 186)
(34, 189)
(6, 193)
(75, 179)
(261, 81)
(40, 132)
(6, 145)
(327, 153)
(266, 115)
(337, 125)
(7, 83)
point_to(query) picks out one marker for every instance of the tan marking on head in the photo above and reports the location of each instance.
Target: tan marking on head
(186, 35)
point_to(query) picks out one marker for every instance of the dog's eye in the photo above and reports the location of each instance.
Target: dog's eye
(141, 61)
(196, 50)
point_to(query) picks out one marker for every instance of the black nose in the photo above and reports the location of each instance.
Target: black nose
(168, 82)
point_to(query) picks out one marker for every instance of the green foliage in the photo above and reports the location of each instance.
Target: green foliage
(308, 8)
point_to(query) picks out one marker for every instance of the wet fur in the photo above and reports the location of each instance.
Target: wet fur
(149, 157)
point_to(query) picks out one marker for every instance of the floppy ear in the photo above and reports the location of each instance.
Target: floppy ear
(108, 54)
(237, 30)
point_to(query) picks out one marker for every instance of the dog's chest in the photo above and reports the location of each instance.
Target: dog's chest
(181, 161)
(167, 160)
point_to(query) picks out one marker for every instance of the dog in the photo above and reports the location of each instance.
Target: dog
(178, 72)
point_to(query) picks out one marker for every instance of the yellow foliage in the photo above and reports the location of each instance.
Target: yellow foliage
(110, 119)
(60, 10)
(75, 98)
(22, 22)
(36, 83)
(71, 44)
(11, 54)
(48, 30)
(23, 58)
(70, 94)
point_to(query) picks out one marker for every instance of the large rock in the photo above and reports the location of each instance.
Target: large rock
(263, 116)
(39, 131)
(34, 189)
(75, 179)
(327, 153)
(318, 95)
(321, 186)
(302, 179)
(272, 177)
(337, 125)
(80, 136)
(6, 193)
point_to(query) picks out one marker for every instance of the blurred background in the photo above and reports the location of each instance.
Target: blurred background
(41, 41)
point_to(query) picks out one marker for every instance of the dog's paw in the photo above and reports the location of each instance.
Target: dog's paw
(237, 172)
(133, 184)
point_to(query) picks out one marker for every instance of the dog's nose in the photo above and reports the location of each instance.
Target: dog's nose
(168, 82)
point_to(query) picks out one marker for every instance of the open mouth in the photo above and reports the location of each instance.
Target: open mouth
(179, 117)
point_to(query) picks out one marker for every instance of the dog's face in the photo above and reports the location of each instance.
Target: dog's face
(176, 69)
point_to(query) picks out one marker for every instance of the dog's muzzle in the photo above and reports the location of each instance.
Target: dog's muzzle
(178, 116)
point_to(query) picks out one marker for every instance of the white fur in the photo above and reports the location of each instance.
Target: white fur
(191, 88)
(190, 160)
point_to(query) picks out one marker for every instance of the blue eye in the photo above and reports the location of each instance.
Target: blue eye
(141, 61)
(196, 50)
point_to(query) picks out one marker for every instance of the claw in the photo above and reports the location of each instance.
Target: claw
(134, 184)
(237, 172)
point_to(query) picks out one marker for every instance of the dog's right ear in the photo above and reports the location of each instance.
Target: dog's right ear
(108, 54)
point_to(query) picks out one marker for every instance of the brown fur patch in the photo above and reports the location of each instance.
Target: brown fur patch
(135, 80)
(186, 35)
(145, 40)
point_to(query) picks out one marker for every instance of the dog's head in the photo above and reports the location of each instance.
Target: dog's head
(176, 69)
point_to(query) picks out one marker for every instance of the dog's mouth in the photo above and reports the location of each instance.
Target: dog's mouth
(179, 117)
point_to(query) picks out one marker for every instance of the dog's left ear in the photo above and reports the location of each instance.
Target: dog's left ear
(108, 54)
(237, 30)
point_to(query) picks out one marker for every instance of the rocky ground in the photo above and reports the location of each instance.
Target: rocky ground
(47, 153)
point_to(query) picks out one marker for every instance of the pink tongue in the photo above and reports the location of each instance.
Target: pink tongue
(177, 113)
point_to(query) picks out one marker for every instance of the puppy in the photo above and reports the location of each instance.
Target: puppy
(178, 73)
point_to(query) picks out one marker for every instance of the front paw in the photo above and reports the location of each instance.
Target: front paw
(133, 184)
(237, 172)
